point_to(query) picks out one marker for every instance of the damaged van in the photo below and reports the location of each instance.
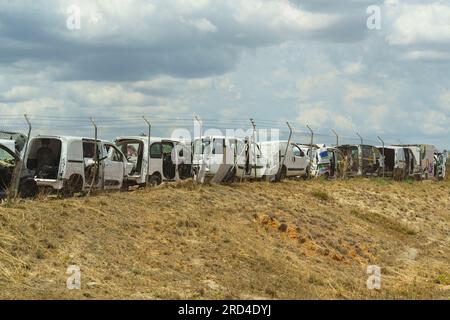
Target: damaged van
(395, 164)
(219, 158)
(336, 162)
(163, 160)
(424, 166)
(320, 162)
(223, 159)
(294, 164)
(413, 161)
(361, 160)
(11, 169)
(440, 160)
(71, 165)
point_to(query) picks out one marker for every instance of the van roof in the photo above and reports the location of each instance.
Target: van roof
(64, 138)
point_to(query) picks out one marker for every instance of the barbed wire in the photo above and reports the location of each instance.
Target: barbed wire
(126, 123)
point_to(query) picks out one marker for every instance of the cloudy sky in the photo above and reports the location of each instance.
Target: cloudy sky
(307, 61)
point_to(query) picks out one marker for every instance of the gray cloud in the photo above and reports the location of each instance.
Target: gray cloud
(299, 60)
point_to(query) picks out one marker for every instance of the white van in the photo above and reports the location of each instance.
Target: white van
(295, 164)
(68, 164)
(10, 170)
(424, 160)
(169, 159)
(395, 164)
(320, 160)
(219, 158)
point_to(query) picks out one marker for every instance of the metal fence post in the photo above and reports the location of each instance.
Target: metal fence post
(254, 145)
(311, 144)
(148, 150)
(18, 173)
(278, 178)
(361, 138)
(200, 167)
(384, 162)
(96, 171)
(337, 138)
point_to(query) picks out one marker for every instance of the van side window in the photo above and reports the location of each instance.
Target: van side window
(297, 151)
(218, 146)
(89, 150)
(156, 151)
(114, 154)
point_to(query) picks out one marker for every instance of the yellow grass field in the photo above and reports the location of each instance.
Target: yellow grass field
(290, 240)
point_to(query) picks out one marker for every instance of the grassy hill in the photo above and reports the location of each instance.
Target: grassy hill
(292, 240)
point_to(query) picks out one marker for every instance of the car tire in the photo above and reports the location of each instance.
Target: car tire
(28, 189)
(154, 180)
(72, 186)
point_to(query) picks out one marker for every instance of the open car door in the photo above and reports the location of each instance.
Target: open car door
(114, 170)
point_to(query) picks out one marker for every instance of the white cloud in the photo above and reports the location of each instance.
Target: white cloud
(280, 15)
(356, 91)
(19, 93)
(353, 68)
(313, 83)
(320, 117)
(203, 25)
(418, 23)
(435, 123)
(444, 100)
(427, 55)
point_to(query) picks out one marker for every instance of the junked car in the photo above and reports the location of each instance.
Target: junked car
(320, 162)
(71, 165)
(164, 160)
(336, 162)
(395, 164)
(10, 170)
(361, 160)
(295, 162)
(440, 165)
(424, 167)
(221, 159)
(413, 161)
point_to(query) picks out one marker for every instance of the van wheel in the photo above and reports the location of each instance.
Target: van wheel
(154, 180)
(28, 189)
(125, 186)
(307, 174)
(72, 186)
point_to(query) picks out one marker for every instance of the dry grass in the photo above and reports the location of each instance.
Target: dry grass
(292, 240)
